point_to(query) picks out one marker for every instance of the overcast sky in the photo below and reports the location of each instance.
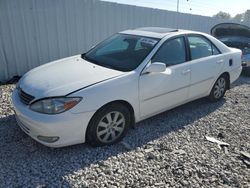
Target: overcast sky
(200, 7)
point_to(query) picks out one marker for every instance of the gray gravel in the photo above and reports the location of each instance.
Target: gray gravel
(168, 150)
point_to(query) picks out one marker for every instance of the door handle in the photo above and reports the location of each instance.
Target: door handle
(186, 71)
(220, 61)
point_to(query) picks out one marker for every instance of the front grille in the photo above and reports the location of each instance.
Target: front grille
(25, 97)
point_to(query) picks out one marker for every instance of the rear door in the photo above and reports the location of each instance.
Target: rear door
(206, 64)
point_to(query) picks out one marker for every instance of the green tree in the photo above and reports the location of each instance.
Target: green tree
(222, 15)
(246, 16)
(239, 17)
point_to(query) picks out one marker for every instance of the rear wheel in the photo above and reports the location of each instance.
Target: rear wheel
(219, 89)
(109, 125)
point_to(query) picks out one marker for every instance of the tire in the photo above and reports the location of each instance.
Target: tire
(246, 71)
(219, 89)
(109, 125)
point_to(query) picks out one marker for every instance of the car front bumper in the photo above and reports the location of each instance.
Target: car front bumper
(67, 128)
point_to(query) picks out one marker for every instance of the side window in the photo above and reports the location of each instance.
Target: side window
(215, 50)
(199, 47)
(172, 52)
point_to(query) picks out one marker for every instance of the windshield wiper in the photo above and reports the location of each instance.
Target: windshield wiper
(83, 55)
(110, 66)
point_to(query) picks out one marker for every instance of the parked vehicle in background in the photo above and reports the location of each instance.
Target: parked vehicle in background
(95, 97)
(246, 60)
(242, 43)
(236, 36)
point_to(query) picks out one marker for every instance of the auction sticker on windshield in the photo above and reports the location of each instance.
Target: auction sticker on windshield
(148, 41)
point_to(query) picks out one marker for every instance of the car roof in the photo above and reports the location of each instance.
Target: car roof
(155, 32)
(161, 32)
(157, 29)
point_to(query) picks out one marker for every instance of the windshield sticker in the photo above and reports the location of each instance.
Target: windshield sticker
(148, 41)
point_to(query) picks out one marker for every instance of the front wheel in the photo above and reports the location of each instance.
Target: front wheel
(219, 89)
(109, 125)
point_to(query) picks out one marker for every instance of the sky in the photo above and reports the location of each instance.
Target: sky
(200, 7)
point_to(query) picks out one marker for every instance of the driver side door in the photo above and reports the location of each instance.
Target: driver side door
(161, 91)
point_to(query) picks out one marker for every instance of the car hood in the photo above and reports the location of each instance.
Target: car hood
(64, 76)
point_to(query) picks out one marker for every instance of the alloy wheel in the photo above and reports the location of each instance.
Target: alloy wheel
(220, 87)
(110, 127)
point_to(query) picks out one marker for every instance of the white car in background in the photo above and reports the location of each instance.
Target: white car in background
(95, 97)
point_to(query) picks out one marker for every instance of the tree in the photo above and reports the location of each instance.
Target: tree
(222, 15)
(246, 16)
(239, 17)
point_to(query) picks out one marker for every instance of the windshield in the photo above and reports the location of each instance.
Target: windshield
(121, 52)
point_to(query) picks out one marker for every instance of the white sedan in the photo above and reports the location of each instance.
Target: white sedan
(95, 97)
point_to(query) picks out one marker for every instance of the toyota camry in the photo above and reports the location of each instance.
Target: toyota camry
(95, 97)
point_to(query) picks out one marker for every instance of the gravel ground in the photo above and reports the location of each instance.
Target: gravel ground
(168, 150)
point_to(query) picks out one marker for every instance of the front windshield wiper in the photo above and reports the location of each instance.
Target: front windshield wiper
(110, 66)
(83, 55)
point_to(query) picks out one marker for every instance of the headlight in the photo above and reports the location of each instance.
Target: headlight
(55, 105)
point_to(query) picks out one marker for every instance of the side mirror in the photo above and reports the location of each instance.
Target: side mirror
(155, 67)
